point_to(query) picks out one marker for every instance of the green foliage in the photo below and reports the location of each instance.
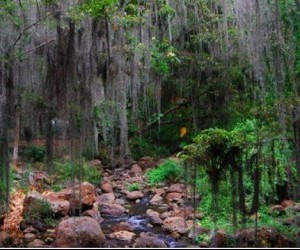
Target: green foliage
(66, 171)
(133, 187)
(38, 210)
(94, 8)
(163, 55)
(169, 170)
(33, 153)
(140, 146)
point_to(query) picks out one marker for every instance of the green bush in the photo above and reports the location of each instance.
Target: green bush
(170, 170)
(33, 153)
(66, 171)
(133, 187)
(39, 210)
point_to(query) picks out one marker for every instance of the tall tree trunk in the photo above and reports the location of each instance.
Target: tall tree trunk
(49, 141)
(16, 139)
(256, 178)
(242, 205)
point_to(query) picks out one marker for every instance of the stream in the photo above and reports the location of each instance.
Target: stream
(138, 220)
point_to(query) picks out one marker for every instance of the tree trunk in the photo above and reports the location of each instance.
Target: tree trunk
(256, 178)
(16, 139)
(242, 205)
(49, 142)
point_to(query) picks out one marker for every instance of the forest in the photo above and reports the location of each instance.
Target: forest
(149, 123)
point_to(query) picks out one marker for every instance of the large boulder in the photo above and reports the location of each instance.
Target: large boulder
(135, 195)
(154, 217)
(177, 224)
(112, 209)
(79, 232)
(85, 193)
(59, 206)
(39, 180)
(108, 198)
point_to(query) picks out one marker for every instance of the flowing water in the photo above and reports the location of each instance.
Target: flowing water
(137, 218)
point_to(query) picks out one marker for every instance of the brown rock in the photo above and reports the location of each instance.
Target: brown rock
(177, 224)
(157, 199)
(79, 232)
(287, 203)
(36, 244)
(106, 198)
(154, 217)
(59, 206)
(186, 212)
(122, 226)
(87, 195)
(176, 188)
(135, 195)
(218, 239)
(96, 163)
(5, 239)
(107, 188)
(174, 196)
(165, 215)
(39, 180)
(277, 208)
(28, 237)
(93, 213)
(149, 240)
(146, 162)
(159, 191)
(112, 209)
(122, 235)
(136, 170)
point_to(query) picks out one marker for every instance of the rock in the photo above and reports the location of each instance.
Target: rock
(136, 170)
(59, 206)
(138, 201)
(79, 232)
(122, 235)
(159, 191)
(198, 231)
(122, 226)
(107, 188)
(154, 217)
(30, 198)
(156, 200)
(106, 198)
(287, 203)
(136, 179)
(135, 195)
(49, 240)
(174, 196)
(177, 224)
(30, 229)
(146, 162)
(39, 180)
(36, 244)
(277, 209)
(176, 188)
(93, 213)
(112, 209)
(266, 237)
(149, 240)
(87, 195)
(119, 202)
(218, 239)
(5, 239)
(165, 215)
(28, 237)
(96, 163)
(186, 212)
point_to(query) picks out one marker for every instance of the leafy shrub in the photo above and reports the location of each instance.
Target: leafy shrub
(133, 187)
(38, 210)
(169, 170)
(66, 171)
(33, 153)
